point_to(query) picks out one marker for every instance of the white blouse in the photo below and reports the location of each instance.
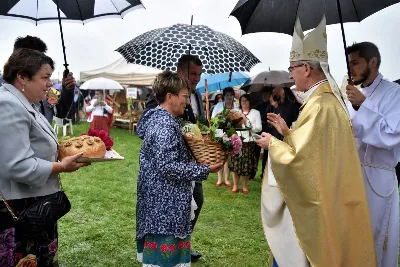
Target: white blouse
(253, 121)
(98, 110)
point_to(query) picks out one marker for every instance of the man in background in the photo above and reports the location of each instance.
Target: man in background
(64, 103)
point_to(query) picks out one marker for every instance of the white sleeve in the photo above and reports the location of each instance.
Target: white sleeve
(379, 128)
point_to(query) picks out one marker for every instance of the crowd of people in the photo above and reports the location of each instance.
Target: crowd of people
(329, 193)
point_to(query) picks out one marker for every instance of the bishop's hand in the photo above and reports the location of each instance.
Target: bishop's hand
(278, 122)
(264, 141)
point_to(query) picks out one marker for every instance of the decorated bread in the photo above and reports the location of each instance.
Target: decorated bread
(91, 146)
(236, 117)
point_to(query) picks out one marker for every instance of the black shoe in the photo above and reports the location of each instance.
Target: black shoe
(194, 255)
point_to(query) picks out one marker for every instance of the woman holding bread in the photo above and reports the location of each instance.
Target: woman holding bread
(229, 97)
(29, 177)
(166, 178)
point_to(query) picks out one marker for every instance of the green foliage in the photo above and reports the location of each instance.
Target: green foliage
(219, 122)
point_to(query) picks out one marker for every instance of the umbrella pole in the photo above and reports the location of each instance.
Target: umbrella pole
(344, 38)
(349, 78)
(66, 71)
(190, 48)
(207, 103)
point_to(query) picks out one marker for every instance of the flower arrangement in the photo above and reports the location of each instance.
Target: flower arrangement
(103, 135)
(219, 130)
(52, 97)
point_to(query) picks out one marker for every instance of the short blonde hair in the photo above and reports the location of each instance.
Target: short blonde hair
(168, 82)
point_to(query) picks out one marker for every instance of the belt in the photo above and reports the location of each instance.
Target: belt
(393, 170)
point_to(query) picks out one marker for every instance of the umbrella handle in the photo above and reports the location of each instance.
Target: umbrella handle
(350, 82)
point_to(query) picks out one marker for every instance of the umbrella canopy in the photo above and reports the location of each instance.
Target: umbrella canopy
(271, 78)
(213, 95)
(77, 10)
(101, 84)
(222, 80)
(280, 16)
(161, 49)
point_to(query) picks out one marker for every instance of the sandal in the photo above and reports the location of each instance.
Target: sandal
(228, 184)
(245, 191)
(218, 184)
(234, 191)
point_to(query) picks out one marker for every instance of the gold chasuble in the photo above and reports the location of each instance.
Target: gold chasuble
(316, 211)
(318, 173)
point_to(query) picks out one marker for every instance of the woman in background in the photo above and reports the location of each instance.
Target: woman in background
(100, 113)
(245, 163)
(229, 96)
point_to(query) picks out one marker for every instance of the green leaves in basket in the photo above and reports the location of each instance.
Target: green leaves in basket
(203, 125)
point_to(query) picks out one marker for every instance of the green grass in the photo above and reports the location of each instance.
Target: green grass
(100, 228)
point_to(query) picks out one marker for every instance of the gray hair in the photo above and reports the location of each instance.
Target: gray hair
(315, 65)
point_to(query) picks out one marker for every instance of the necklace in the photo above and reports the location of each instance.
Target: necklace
(244, 113)
(373, 91)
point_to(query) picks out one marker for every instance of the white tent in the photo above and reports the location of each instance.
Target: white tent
(124, 73)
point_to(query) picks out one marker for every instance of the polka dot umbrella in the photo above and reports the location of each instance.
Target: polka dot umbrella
(161, 49)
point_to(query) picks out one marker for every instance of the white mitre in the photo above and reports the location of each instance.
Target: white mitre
(314, 47)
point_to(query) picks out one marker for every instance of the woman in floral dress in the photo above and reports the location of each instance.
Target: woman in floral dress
(229, 98)
(245, 163)
(164, 190)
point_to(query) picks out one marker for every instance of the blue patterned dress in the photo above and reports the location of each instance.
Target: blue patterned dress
(164, 191)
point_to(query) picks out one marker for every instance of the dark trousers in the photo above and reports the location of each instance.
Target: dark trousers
(264, 162)
(199, 199)
(257, 152)
(398, 172)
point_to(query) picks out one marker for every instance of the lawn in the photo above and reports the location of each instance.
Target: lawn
(100, 228)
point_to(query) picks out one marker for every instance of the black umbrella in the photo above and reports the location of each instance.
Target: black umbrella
(280, 16)
(270, 78)
(161, 49)
(38, 11)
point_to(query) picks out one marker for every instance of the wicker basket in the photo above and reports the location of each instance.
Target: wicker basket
(206, 151)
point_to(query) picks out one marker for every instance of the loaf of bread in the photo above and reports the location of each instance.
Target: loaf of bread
(92, 147)
(236, 117)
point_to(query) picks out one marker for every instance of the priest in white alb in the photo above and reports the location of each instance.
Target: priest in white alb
(376, 123)
(314, 206)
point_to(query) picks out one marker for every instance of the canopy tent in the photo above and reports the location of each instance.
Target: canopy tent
(124, 73)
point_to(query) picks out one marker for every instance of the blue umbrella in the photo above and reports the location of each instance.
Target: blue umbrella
(58, 86)
(222, 80)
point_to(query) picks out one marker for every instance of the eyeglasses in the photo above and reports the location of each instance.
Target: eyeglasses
(187, 96)
(290, 69)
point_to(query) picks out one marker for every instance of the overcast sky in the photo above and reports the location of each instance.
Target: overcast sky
(92, 45)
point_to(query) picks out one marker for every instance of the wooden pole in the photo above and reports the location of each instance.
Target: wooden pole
(207, 104)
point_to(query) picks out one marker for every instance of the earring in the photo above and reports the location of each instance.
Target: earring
(23, 87)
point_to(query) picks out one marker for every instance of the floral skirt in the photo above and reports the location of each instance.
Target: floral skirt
(245, 163)
(163, 251)
(21, 247)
